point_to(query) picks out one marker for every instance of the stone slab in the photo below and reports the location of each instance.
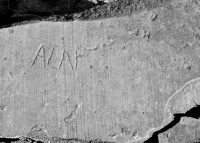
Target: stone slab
(110, 79)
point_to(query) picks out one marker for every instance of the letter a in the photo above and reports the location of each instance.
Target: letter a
(41, 54)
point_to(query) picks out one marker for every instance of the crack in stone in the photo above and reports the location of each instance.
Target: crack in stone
(189, 82)
(176, 118)
(193, 113)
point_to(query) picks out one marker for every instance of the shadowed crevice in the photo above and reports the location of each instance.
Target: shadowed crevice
(9, 140)
(193, 113)
(51, 139)
(12, 16)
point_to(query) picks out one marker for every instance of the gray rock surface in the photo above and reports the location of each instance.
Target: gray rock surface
(118, 79)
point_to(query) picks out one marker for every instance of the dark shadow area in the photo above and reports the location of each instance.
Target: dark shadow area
(120, 8)
(82, 10)
(22, 140)
(13, 16)
(51, 139)
(154, 137)
(9, 140)
(193, 113)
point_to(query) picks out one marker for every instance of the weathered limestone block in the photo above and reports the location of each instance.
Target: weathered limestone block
(116, 79)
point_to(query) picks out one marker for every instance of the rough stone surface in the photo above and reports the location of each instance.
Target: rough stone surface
(117, 79)
(119, 8)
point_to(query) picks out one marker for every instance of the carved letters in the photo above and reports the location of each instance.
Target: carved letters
(49, 58)
(41, 54)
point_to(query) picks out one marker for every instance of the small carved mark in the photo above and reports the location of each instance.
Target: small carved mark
(77, 56)
(125, 130)
(135, 32)
(69, 118)
(146, 34)
(72, 115)
(154, 17)
(188, 67)
(76, 60)
(3, 107)
(196, 35)
(10, 73)
(96, 48)
(115, 135)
